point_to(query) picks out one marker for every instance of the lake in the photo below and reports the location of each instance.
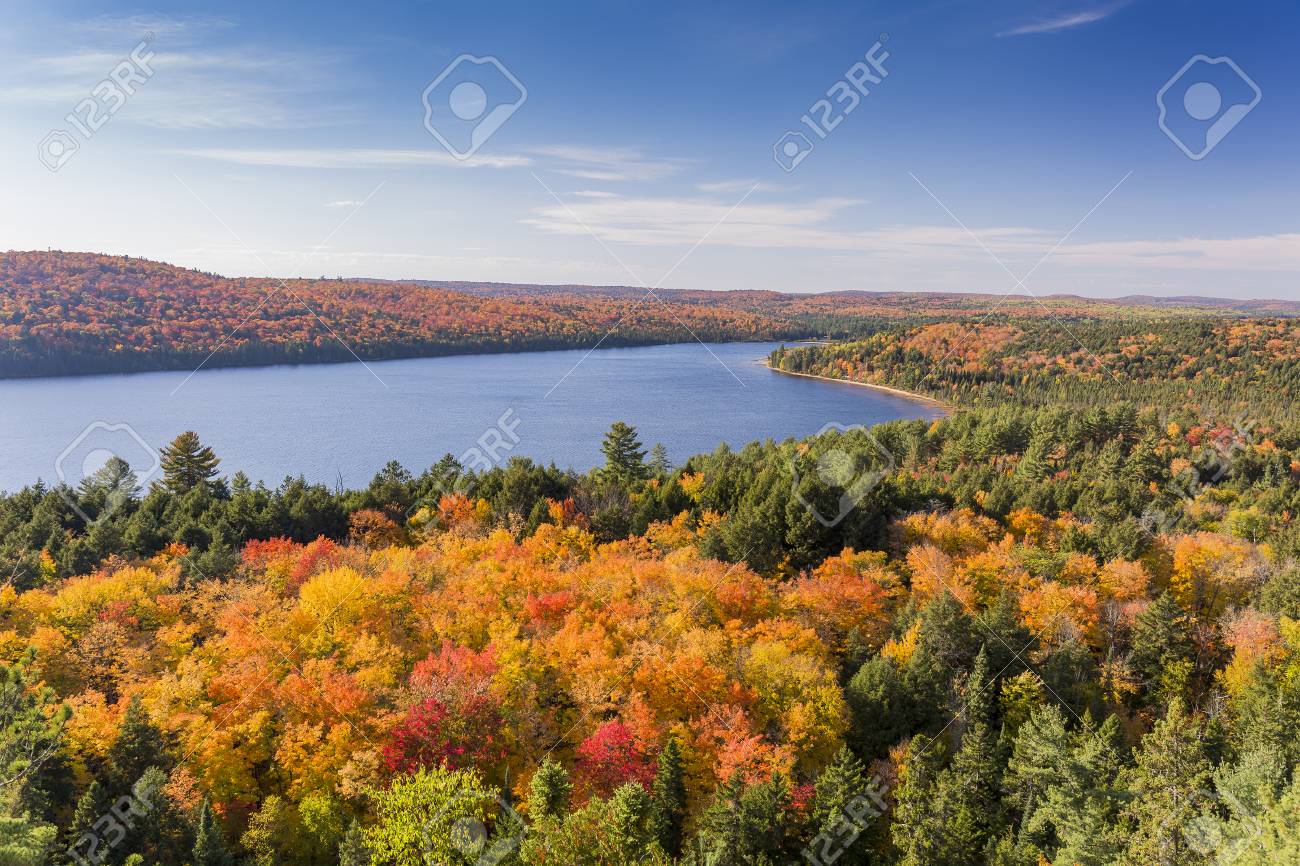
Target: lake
(342, 422)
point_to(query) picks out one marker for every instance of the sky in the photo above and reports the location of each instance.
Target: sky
(997, 146)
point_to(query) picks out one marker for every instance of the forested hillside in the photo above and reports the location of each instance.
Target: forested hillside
(1219, 368)
(1034, 635)
(73, 313)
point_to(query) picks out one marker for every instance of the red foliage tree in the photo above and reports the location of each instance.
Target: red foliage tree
(611, 757)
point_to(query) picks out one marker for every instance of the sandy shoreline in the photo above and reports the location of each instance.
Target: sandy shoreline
(920, 398)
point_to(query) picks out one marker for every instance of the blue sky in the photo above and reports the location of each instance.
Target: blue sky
(1008, 138)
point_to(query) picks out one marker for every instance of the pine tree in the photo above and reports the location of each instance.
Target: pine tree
(1166, 789)
(624, 456)
(549, 791)
(90, 808)
(209, 840)
(187, 463)
(659, 462)
(916, 830)
(164, 836)
(844, 805)
(669, 793)
(971, 783)
(139, 746)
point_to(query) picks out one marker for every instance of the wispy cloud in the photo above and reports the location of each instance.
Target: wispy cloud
(1064, 21)
(741, 185)
(817, 225)
(338, 157)
(347, 202)
(607, 164)
(200, 81)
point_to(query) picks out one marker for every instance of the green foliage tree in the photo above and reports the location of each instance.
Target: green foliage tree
(747, 826)
(844, 806)
(139, 745)
(1168, 791)
(31, 764)
(624, 456)
(668, 793)
(187, 463)
(549, 791)
(420, 818)
(353, 850)
(210, 847)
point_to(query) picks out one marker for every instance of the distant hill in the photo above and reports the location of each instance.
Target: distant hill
(69, 313)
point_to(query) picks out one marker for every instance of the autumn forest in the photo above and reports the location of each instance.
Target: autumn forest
(1058, 625)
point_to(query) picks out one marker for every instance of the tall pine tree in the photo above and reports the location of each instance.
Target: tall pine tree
(187, 463)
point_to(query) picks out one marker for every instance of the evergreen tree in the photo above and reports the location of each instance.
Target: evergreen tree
(164, 836)
(353, 850)
(209, 840)
(746, 826)
(624, 456)
(843, 807)
(659, 462)
(549, 791)
(139, 746)
(1162, 647)
(24, 840)
(92, 805)
(915, 830)
(629, 831)
(668, 811)
(188, 463)
(1167, 789)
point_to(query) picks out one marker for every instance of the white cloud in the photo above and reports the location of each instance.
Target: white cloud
(742, 185)
(1066, 21)
(817, 225)
(607, 164)
(351, 203)
(340, 157)
(197, 82)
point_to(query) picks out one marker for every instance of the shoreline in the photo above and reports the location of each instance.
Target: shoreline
(947, 408)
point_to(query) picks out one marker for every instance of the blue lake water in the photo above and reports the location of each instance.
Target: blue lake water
(344, 421)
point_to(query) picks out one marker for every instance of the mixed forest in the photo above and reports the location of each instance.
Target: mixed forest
(1059, 625)
(79, 313)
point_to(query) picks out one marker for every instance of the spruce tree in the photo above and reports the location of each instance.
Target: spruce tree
(629, 833)
(353, 850)
(659, 462)
(549, 791)
(669, 793)
(92, 805)
(139, 746)
(843, 806)
(209, 841)
(187, 463)
(624, 456)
